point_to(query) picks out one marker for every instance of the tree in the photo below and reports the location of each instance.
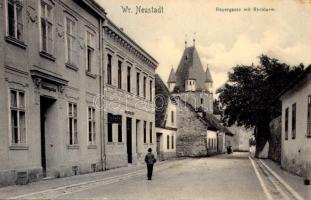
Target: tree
(249, 97)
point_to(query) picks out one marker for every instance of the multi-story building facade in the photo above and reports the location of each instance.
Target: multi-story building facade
(58, 59)
(50, 75)
(129, 117)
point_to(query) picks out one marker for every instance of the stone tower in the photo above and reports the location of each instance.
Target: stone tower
(191, 82)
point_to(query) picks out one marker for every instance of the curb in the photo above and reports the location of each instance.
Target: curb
(281, 180)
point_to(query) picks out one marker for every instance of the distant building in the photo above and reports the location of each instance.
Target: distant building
(199, 132)
(166, 121)
(198, 135)
(296, 125)
(191, 83)
(240, 141)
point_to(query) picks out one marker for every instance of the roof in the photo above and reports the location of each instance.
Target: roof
(94, 6)
(208, 76)
(161, 102)
(172, 77)
(118, 34)
(209, 120)
(190, 66)
(216, 123)
(301, 77)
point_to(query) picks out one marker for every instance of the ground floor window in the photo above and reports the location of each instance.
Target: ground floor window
(145, 132)
(91, 125)
(150, 132)
(73, 123)
(109, 127)
(17, 117)
(173, 142)
(168, 142)
(114, 120)
(120, 138)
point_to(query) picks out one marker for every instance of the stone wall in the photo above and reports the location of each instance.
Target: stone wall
(191, 134)
(275, 140)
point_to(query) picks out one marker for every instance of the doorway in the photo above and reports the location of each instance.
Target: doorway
(159, 136)
(129, 139)
(45, 105)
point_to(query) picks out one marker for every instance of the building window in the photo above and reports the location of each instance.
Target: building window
(15, 19)
(150, 90)
(128, 79)
(69, 40)
(17, 117)
(138, 84)
(168, 142)
(73, 123)
(145, 132)
(202, 100)
(294, 121)
(172, 117)
(150, 132)
(119, 74)
(286, 123)
(91, 125)
(120, 139)
(46, 28)
(144, 87)
(89, 51)
(110, 135)
(173, 142)
(109, 75)
(309, 117)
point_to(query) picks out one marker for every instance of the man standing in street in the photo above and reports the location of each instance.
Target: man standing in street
(150, 160)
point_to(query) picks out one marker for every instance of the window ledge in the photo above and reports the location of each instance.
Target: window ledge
(111, 143)
(72, 66)
(90, 74)
(74, 146)
(18, 147)
(47, 56)
(15, 42)
(110, 86)
(92, 146)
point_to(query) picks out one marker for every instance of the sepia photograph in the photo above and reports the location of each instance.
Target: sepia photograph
(155, 99)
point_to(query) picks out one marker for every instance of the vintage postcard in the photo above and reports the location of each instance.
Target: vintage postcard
(155, 99)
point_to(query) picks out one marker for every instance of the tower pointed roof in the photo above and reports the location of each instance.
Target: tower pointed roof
(208, 76)
(191, 74)
(190, 67)
(172, 77)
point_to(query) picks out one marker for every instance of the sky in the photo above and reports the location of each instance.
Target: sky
(223, 39)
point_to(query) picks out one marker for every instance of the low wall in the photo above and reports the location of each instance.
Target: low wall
(275, 140)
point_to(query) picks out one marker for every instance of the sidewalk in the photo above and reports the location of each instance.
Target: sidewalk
(294, 181)
(16, 190)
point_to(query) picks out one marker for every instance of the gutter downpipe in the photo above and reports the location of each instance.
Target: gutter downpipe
(101, 110)
(104, 160)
